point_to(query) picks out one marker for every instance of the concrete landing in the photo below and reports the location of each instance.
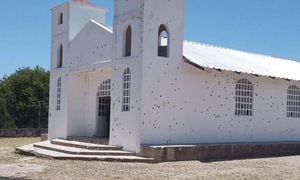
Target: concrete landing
(80, 151)
(65, 152)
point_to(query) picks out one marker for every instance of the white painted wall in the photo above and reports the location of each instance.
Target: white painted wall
(81, 14)
(58, 119)
(125, 126)
(83, 101)
(188, 105)
(93, 44)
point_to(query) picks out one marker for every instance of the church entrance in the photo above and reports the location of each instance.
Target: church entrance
(103, 109)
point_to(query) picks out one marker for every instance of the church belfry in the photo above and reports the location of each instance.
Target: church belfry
(156, 27)
(68, 19)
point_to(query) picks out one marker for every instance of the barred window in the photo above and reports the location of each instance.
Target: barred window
(103, 95)
(104, 89)
(126, 90)
(243, 98)
(293, 102)
(58, 94)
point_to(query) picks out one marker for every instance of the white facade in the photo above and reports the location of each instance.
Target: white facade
(175, 94)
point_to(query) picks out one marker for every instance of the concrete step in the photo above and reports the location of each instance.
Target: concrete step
(93, 140)
(39, 152)
(84, 145)
(79, 151)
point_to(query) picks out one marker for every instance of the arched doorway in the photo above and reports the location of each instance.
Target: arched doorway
(103, 109)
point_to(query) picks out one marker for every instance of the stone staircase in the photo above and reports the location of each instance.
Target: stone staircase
(76, 150)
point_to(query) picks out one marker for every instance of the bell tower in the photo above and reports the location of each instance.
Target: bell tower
(147, 34)
(149, 27)
(68, 19)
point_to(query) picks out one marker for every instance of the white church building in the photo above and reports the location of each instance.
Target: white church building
(141, 83)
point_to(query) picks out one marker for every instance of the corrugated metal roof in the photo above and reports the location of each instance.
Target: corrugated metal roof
(208, 56)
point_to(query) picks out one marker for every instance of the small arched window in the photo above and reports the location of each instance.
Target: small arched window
(60, 56)
(126, 90)
(61, 19)
(127, 42)
(58, 94)
(163, 41)
(293, 101)
(243, 98)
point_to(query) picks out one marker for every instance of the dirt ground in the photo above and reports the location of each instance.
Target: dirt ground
(13, 166)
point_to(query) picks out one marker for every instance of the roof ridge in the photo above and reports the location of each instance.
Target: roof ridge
(241, 51)
(102, 25)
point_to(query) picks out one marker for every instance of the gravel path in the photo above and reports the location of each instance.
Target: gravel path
(16, 166)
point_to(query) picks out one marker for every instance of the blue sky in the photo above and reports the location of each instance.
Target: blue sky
(262, 26)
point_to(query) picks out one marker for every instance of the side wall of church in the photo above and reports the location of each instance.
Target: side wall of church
(184, 104)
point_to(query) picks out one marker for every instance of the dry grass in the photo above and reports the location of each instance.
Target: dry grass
(12, 165)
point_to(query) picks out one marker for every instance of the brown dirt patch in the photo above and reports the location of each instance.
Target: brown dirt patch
(36, 168)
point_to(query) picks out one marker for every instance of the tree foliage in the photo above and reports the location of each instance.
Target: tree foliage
(24, 98)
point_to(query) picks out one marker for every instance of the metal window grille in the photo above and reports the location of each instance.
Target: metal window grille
(293, 102)
(58, 94)
(103, 92)
(244, 98)
(126, 90)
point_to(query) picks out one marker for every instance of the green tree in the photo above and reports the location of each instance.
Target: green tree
(24, 98)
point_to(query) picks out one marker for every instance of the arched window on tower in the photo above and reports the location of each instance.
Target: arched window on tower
(61, 19)
(127, 42)
(163, 41)
(60, 56)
